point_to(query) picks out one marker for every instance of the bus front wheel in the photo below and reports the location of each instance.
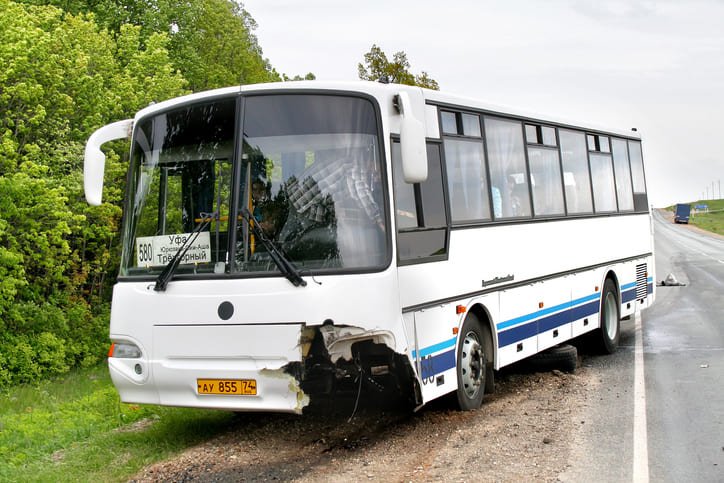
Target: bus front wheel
(471, 365)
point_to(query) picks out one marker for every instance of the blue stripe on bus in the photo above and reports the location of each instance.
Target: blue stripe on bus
(541, 313)
(435, 348)
(437, 364)
(521, 332)
(539, 323)
(628, 296)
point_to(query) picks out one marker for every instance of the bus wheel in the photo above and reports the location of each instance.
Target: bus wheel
(471, 365)
(607, 336)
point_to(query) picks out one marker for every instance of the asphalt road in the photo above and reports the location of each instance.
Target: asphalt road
(665, 423)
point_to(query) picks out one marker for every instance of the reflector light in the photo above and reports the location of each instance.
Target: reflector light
(460, 309)
(540, 305)
(456, 330)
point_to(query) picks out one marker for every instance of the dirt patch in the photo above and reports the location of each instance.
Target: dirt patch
(523, 432)
(138, 426)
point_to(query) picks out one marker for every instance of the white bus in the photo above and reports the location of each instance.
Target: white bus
(287, 240)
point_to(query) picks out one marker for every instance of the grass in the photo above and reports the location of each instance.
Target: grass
(76, 429)
(712, 221)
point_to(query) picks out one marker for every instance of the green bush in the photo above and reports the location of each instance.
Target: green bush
(62, 77)
(65, 72)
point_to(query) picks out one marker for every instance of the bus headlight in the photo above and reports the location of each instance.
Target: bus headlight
(124, 350)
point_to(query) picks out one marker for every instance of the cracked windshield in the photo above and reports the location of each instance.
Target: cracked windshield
(309, 177)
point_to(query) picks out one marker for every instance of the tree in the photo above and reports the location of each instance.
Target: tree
(298, 77)
(377, 67)
(63, 76)
(69, 67)
(211, 42)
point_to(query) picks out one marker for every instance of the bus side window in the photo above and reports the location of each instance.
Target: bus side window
(641, 202)
(508, 171)
(420, 213)
(467, 180)
(576, 175)
(622, 171)
(604, 185)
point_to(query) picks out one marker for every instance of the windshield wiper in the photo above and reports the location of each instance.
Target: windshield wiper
(165, 276)
(284, 265)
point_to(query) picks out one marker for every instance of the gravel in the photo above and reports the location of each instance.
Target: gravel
(523, 432)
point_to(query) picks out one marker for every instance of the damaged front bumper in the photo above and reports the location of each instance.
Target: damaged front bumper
(290, 365)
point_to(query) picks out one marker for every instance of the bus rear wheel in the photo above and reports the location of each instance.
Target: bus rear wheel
(605, 339)
(472, 365)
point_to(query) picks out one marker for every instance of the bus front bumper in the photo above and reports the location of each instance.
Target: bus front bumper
(231, 367)
(257, 367)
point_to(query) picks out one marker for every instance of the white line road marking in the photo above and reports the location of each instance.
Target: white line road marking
(710, 256)
(640, 447)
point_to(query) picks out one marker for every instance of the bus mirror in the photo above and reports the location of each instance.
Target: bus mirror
(412, 142)
(95, 161)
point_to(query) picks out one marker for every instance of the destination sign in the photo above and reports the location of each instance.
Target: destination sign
(152, 251)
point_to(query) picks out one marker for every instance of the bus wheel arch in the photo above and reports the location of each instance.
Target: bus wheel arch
(486, 323)
(606, 338)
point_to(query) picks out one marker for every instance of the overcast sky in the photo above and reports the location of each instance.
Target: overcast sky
(654, 65)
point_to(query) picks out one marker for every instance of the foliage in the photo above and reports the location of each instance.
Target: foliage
(211, 42)
(69, 67)
(377, 67)
(63, 76)
(76, 429)
(309, 76)
(711, 220)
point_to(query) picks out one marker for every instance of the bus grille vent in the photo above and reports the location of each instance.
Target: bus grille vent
(641, 282)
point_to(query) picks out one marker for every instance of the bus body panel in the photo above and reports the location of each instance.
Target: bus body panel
(547, 296)
(435, 351)
(183, 338)
(555, 327)
(476, 263)
(585, 318)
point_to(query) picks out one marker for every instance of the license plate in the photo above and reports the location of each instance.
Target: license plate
(230, 387)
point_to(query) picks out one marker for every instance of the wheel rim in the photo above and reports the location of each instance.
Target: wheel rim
(472, 365)
(610, 313)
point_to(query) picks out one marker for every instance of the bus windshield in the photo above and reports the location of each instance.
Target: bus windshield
(308, 173)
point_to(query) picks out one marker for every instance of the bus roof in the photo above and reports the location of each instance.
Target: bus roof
(381, 90)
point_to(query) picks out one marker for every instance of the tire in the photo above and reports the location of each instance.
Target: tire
(605, 339)
(563, 357)
(472, 365)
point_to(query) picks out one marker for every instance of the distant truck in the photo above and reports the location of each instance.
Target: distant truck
(682, 213)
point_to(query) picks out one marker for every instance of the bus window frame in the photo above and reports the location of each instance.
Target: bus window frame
(417, 189)
(239, 98)
(639, 209)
